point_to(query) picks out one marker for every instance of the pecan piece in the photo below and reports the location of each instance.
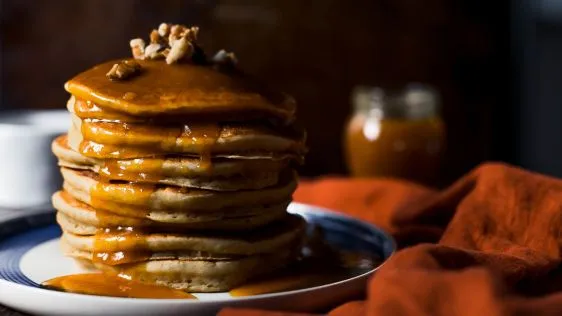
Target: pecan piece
(124, 70)
(181, 48)
(137, 46)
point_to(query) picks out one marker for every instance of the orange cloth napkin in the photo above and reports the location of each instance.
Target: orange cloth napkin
(488, 245)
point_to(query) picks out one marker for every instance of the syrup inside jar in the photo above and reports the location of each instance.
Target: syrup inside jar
(395, 135)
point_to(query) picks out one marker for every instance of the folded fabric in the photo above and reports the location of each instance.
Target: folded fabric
(490, 244)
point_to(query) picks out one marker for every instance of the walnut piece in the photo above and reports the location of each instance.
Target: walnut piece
(181, 48)
(174, 42)
(190, 33)
(124, 70)
(152, 51)
(163, 29)
(175, 32)
(155, 37)
(137, 46)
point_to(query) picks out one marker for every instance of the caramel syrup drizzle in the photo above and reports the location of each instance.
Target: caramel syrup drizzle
(108, 285)
(115, 245)
(310, 271)
(134, 170)
(319, 264)
(124, 140)
(121, 245)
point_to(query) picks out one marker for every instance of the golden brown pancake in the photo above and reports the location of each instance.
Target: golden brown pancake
(182, 88)
(136, 200)
(193, 275)
(132, 140)
(178, 171)
(261, 240)
(82, 219)
(220, 175)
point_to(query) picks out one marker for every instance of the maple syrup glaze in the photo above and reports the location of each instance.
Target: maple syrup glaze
(107, 219)
(112, 218)
(115, 245)
(104, 218)
(143, 119)
(108, 285)
(126, 199)
(100, 151)
(86, 109)
(149, 170)
(298, 276)
(320, 264)
(152, 169)
(193, 137)
(120, 245)
(310, 271)
(182, 88)
(134, 170)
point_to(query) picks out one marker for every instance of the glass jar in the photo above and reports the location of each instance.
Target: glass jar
(396, 135)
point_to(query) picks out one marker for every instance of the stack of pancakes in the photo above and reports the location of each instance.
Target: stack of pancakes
(179, 176)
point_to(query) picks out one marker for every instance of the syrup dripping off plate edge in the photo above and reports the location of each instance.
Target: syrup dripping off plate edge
(20, 289)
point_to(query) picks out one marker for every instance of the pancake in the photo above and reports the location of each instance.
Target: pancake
(266, 239)
(178, 169)
(193, 275)
(183, 88)
(107, 139)
(159, 255)
(80, 218)
(222, 174)
(88, 110)
(132, 199)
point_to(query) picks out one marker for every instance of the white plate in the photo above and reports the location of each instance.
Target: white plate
(29, 255)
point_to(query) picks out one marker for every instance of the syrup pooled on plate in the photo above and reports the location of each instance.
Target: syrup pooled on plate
(320, 264)
(106, 285)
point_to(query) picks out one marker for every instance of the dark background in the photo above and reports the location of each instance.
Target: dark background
(496, 63)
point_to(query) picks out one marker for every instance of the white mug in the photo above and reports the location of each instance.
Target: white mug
(28, 169)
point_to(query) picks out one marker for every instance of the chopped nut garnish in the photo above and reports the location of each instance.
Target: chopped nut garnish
(137, 46)
(175, 32)
(124, 70)
(152, 51)
(190, 33)
(180, 49)
(173, 42)
(155, 37)
(164, 29)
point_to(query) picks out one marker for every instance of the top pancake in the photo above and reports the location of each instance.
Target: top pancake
(182, 88)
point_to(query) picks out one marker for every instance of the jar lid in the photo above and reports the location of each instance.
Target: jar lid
(415, 101)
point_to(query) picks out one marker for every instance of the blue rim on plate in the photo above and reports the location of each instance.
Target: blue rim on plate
(21, 233)
(18, 235)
